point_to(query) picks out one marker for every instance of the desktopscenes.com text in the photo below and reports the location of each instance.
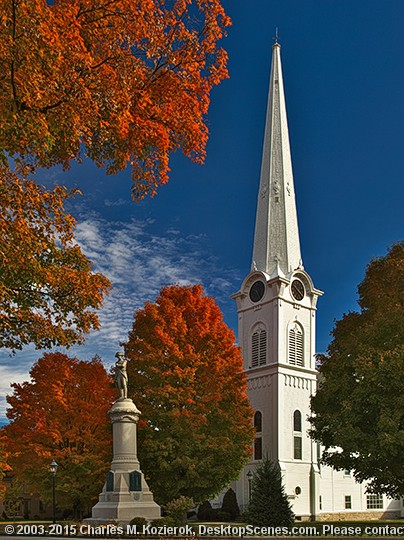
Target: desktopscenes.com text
(199, 530)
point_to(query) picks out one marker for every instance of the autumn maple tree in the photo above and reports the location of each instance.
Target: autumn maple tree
(359, 406)
(48, 291)
(122, 82)
(186, 376)
(61, 414)
(125, 82)
(4, 466)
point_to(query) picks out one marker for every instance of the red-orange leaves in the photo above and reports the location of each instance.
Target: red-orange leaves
(186, 377)
(48, 292)
(129, 80)
(61, 414)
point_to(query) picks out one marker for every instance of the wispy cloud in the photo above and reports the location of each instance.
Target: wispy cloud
(14, 369)
(139, 262)
(116, 202)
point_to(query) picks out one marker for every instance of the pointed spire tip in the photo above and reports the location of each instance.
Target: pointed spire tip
(276, 38)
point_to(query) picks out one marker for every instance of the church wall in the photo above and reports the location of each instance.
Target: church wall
(294, 395)
(297, 478)
(262, 392)
(336, 485)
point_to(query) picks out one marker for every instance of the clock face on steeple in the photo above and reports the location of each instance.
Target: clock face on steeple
(297, 289)
(257, 291)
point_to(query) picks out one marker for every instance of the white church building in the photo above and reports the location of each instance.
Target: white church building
(276, 307)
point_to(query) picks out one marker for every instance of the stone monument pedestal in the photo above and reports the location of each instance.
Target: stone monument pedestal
(125, 494)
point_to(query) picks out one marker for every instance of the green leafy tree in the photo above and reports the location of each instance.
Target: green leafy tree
(186, 376)
(13, 499)
(359, 406)
(269, 505)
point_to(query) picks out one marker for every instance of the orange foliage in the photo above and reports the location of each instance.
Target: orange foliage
(48, 291)
(128, 79)
(186, 376)
(62, 414)
(4, 466)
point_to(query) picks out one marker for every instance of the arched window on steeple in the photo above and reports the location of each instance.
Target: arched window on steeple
(297, 421)
(297, 435)
(295, 345)
(258, 435)
(259, 347)
(258, 421)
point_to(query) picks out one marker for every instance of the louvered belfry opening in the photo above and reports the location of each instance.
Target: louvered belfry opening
(296, 346)
(259, 347)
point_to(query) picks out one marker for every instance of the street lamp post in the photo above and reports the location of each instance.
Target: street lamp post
(53, 467)
(249, 478)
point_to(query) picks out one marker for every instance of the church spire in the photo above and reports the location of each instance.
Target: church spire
(276, 239)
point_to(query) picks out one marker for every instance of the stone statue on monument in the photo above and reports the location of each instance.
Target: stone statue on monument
(121, 376)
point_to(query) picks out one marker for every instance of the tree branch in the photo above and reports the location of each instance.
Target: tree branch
(12, 73)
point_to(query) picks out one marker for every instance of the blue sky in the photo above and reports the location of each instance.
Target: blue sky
(344, 79)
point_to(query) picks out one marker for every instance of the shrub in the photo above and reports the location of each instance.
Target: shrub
(204, 510)
(167, 520)
(230, 504)
(139, 522)
(216, 514)
(178, 508)
(222, 516)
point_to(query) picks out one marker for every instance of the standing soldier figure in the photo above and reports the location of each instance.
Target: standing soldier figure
(121, 376)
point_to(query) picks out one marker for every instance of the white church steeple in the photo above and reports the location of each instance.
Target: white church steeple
(276, 307)
(276, 239)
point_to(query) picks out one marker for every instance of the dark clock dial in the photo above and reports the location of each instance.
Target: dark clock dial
(257, 291)
(297, 288)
